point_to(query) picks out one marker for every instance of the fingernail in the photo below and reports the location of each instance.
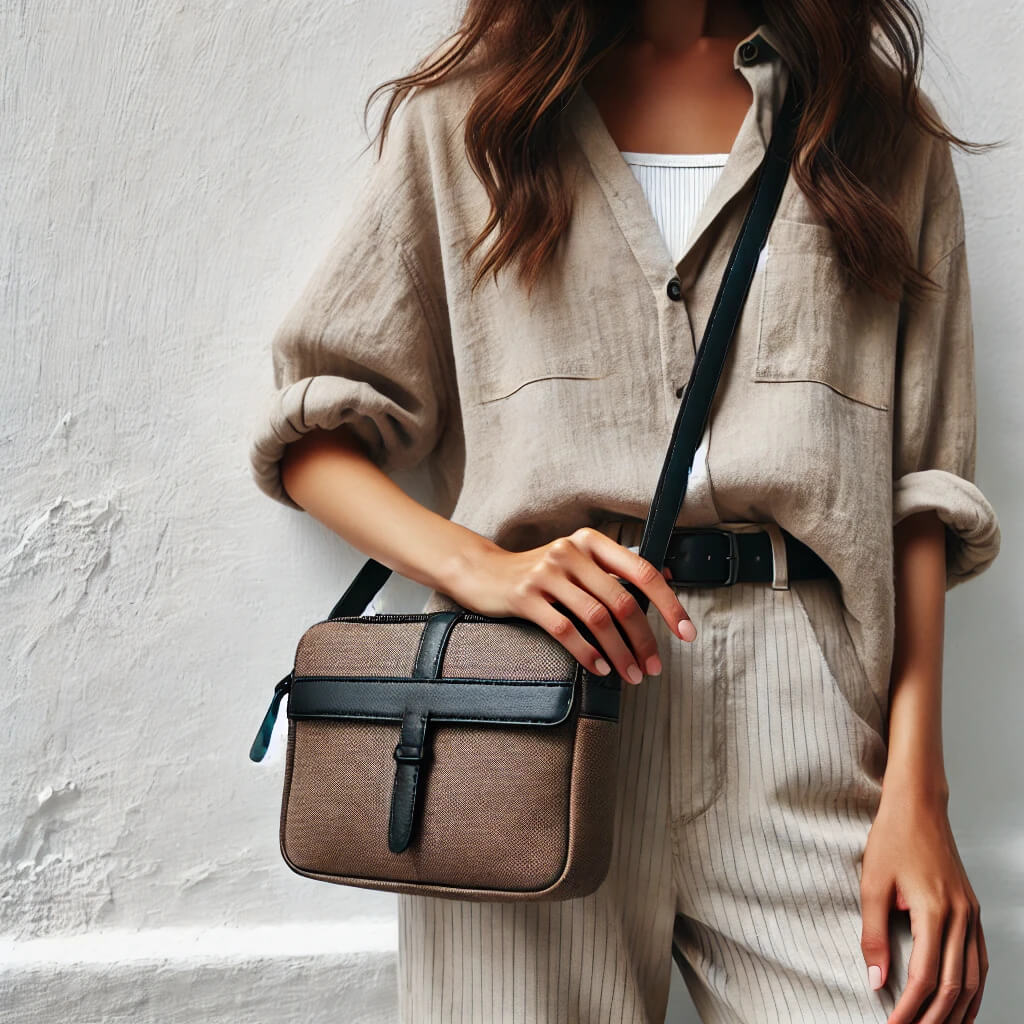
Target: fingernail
(635, 674)
(687, 630)
(875, 976)
(602, 666)
(653, 665)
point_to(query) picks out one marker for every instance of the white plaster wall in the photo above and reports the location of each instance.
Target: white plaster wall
(171, 173)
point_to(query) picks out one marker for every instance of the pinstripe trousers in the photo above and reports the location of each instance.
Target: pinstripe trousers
(749, 775)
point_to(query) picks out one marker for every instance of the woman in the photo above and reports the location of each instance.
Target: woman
(537, 379)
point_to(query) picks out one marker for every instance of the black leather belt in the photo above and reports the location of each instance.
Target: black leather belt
(714, 557)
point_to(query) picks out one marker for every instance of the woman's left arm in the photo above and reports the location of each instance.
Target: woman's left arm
(945, 532)
(911, 856)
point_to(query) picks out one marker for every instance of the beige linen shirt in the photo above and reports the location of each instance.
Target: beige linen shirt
(837, 415)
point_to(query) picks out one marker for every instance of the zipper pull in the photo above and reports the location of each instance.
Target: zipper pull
(259, 746)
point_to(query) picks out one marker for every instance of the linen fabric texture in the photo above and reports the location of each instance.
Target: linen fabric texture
(838, 414)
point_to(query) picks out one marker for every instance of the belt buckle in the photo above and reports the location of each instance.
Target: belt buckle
(732, 558)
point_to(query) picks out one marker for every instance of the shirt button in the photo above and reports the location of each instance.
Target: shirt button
(675, 289)
(680, 390)
(748, 52)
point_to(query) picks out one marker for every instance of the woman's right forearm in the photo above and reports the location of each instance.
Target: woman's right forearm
(330, 476)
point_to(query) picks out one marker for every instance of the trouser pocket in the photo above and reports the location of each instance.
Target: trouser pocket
(697, 677)
(824, 628)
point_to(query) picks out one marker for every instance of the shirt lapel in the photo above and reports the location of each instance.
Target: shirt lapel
(767, 75)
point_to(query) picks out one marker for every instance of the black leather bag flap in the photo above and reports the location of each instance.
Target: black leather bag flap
(454, 665)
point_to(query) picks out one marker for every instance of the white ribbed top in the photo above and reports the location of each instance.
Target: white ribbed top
(677, 186)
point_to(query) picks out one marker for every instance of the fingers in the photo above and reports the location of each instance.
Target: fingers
(948, 964)
(951, 971)
(875, 899)
(613, 557)
(534, 605)
(975, 1003)
(575, 572)
(923, 968)
(972, 971)
(623, 609)
(548, 580)
(626, 653)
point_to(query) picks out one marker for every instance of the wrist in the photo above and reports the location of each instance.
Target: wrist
(908, 782)
(915, 766)
(462, 561)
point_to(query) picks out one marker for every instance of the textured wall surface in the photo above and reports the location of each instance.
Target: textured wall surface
(171, 173)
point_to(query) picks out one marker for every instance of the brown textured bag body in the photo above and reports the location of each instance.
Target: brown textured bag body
(518, 787)
(454, 754)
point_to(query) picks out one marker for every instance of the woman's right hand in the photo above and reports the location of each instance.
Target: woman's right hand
(578, 571)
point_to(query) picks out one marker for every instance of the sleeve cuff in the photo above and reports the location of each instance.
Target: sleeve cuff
(326, 402)
(972, 527)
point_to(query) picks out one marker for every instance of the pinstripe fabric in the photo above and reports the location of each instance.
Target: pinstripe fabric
(749, 776)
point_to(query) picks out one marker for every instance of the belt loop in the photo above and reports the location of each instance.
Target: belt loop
(780, 564)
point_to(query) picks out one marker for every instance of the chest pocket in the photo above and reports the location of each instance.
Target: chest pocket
(526, 359)
(509, 380)
(813, 326)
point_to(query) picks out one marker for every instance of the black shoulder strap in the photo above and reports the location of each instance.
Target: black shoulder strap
(721, 325)
(704, 375)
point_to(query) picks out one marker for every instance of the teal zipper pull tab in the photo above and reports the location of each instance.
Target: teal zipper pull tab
(258, 750)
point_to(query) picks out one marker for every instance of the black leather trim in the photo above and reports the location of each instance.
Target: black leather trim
(410, 752)
(433, 641)
(522, 702)
(362, 590)
(600, 695)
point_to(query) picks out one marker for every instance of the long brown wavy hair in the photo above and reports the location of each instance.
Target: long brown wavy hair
(857, 64)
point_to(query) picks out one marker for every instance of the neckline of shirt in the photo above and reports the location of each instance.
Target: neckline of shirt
(674, 159)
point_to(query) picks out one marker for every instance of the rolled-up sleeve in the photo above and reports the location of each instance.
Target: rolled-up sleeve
(935, 407)
(365, 342)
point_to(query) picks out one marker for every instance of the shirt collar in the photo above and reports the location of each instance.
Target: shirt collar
(758, 57)
(764, 45)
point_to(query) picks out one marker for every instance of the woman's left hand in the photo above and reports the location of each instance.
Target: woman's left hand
(911, 859)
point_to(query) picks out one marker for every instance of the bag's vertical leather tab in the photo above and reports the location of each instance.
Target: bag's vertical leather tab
(433, 642)
(410, 752)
